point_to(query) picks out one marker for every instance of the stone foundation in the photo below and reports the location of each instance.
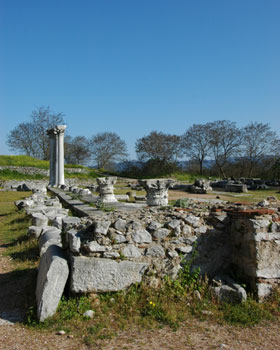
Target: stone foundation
(108, 251)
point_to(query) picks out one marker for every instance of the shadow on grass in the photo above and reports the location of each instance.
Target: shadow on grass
(17, 294)
(30, 254)
(25, 219)
(17, 241)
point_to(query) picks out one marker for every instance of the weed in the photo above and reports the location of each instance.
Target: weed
(245, 314)
(182, 203)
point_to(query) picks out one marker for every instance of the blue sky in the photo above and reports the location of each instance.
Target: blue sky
(133, 66)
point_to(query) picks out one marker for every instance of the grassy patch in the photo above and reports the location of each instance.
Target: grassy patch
(247, 314)
(26, 161)
(92, 174)
(182, 176)
(13, 228)
(258, 195)
(8, 174)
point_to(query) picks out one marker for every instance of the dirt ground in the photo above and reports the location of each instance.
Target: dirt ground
(172, 194)
(194, 334)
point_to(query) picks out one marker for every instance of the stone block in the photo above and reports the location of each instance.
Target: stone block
(130, 251)
(228, 294)
(69, 221)
(52, 276)
(155, 250)
(239, 188)
(120, 225)
(101, 227)
(141, 236)
(34, 231)
(74, 240)
(161, 233)
(50, 237)
(103, 275)
(39, 219)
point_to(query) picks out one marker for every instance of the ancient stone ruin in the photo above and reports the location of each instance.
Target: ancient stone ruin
(108, 251)
(56, 136)
(106, 189)
(157, 191)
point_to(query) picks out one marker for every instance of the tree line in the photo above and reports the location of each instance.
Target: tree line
(214, 148)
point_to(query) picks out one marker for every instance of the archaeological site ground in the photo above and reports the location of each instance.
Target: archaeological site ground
(94, 261)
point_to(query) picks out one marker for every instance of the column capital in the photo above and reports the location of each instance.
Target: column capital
(58, 129)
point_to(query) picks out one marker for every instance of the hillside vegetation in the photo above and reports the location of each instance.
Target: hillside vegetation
(27, 161)
(23, 161)
(30, 162)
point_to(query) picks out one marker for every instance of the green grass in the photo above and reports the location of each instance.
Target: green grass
(23, 161)
(13, 228)
(183, 176)
(258, 195)
(75, 166)
(7, 174)
(28, 161)
(92, 174)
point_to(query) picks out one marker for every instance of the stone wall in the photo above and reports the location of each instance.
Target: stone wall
(26, 170)
(255, 241)
(109, 251)
(38, 171)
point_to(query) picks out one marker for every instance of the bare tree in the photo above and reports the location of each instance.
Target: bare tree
(76, 150)
(196, 143)
(31, 138)
(258, 142)
(21, 139)
(107, 147)
(225, 139)
(158, 145)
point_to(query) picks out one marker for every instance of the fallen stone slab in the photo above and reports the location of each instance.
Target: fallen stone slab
(52, 277)
(90, 274)
(48, 238)
(35, 209)
(236, 188)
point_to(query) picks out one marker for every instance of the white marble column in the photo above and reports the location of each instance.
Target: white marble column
(60, 161)
(56, 136)
(52, 137)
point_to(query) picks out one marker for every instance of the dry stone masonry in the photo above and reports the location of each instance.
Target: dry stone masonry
(109, 251)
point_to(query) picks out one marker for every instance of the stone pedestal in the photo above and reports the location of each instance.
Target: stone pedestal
(157, 191)
(201, 186)
(56, 136)
(106, 188)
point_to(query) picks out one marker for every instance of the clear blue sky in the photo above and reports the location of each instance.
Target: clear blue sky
(133, 66)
